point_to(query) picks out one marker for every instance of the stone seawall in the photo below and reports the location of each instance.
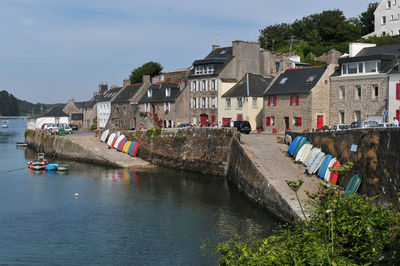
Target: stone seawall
(63, 147)
(203, 150)
(246, 176)
(377, 158)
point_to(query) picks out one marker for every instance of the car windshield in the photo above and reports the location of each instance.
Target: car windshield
(246, 124)
(355, 124)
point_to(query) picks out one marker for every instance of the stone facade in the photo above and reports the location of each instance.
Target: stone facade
(312, 110)
(70, 109)
(228, 64)
(349, 107)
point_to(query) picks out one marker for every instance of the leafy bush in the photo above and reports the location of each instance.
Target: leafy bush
(93, 127)
(325, 127)
(150, 133)
(28, 132)
(180, 139)
(339, 231)
(157, 132)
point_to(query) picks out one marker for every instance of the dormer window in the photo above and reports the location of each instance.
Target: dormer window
(310, 79)
(223, 52)
(149, 93)
(210, 69)
(361, 67)
(167, 92)
(283, 80)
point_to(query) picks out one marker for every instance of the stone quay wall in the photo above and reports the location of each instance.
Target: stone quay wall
(203, 150)
(377, 158)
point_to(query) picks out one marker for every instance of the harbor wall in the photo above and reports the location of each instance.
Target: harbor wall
(202, 150)
(62, 147)
(376, 158)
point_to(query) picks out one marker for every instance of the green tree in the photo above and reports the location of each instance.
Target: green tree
(367, 19)
(8, 104)
(273, 37)
(150, 68)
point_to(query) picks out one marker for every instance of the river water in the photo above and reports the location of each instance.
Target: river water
(144, 217)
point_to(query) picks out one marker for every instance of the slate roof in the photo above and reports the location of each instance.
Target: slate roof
(218, 57)
(392, 49)
(92, 101)
(257, 86)
(296, 81)
(126, 93)
(52, 111)
(109, 94)
(158, 93)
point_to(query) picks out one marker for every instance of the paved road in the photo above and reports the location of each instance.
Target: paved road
(277, 166)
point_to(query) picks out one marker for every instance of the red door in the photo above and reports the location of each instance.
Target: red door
(213, 119)
(203, 119)
(239, 117)
(320, 121)
(398, 115)
(226, 121)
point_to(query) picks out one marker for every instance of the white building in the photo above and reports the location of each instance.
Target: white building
(387, 18)
(52, 115)
(104, 107)
(394, 93)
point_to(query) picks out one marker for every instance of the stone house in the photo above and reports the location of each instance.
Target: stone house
(244, 101)
(165, 104)
(104, 107)
(298, 99)
(124, 105)
(214, 75)
(359, 88)
(387, 18)
(74, 111)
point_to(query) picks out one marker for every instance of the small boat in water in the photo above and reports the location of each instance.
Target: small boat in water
(51, 167)
(22, 144)
(38, 166)
(62, 167)
(4, 126)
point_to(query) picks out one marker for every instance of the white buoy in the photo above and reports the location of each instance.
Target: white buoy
(76, 195)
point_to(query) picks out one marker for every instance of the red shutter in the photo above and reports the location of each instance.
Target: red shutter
(274, 100)
(269, 100)
(298, 100)
(398, 115)
(299, 121)
(268, 121)
(398, 91)
(291, 100)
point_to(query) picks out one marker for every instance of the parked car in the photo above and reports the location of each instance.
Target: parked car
(363, 124)
(242, 126)
(74, 127)
(68, 129)
(385, 125)
(52, 128)
(339, 127)
(184, 125)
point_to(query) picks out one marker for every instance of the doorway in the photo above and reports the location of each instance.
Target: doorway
(287, 126)
(320, 121)
(203, 119)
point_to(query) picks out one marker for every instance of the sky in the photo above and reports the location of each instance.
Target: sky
(53, 50)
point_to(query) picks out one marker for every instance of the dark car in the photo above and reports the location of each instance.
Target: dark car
(184, 125)
(74, 127)
(242, 126)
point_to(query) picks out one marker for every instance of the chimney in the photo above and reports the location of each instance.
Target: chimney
(215, 46)
(103, 87)
(146, 78)
(333, 57)
(113, 86)
(126, 82)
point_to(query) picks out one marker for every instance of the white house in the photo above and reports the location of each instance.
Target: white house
(394, 93)
(104, 107)
(52, 115)
(387, 18)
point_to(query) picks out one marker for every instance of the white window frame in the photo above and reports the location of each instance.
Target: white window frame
(149, 93)
(228, 103)
(168, 92)
(373, 96)
(342, 93)
(358, 96)
(239, 102)
(255, 102)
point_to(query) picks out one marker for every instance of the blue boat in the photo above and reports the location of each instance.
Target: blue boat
(51, 167)
(130, 147)
(291, 147)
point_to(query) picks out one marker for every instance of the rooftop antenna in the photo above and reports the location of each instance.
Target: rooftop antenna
(292, 39)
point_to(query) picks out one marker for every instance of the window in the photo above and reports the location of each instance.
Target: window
(273, 120)
(352, 68)
(344, 69)
(297, 121)
(383, 21)
(239, 102)
(375, 92)
(342, 94)
(310, 79)
(370, 67)
(269, 100)
(167, 92)
(223, 52)
(283, 80)
(360, 67)
(203, 102)
(228, 103)
(210, 69)
(149, 93)
(341, 117)
(398, 91)
(255, 102)
(383, 33)
(358, 92)
(388, 4)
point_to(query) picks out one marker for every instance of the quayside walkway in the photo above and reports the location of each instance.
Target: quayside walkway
(276, 166)
(93, 144)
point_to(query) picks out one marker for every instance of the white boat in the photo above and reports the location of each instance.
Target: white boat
(4, 126)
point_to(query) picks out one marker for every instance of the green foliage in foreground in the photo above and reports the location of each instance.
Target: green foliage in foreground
(340, 231)
(93, 127)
